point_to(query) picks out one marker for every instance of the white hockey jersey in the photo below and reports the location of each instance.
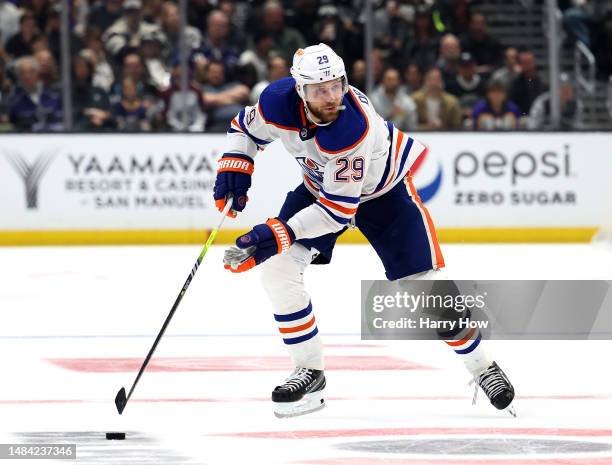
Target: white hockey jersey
(358, 157)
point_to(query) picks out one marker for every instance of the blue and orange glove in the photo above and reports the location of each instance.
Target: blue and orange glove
(233, 177)
(259, 244)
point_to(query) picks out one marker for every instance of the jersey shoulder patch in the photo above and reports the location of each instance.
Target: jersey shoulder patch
(348, 131)
(279, 105)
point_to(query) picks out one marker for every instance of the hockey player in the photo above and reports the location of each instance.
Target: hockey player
(356, 170)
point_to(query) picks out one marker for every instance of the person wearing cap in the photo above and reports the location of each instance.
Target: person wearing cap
(128, 30)
(468, 86)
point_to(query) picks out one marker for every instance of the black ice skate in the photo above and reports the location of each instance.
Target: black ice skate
(495, 384)
(301, 393)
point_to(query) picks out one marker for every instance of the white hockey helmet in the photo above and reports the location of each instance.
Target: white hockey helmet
(316, 64)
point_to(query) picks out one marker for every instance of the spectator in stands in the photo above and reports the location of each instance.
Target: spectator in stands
(571, 109)
(197, 12)
(126, 33)
(53, 33)
(277, 68)
(467, 85)
(20, 44)
(90, 104)
(236, 35)
(448, 59)
(222, 110)
(104, 75)
(527, 85)
(578, 18)
(152, 46)
(47, 70)
(452, 15)
(392, 30)
(329, 29)
(357, 77)
(104, 14)
(9, 21)
(134, 68)
(496, 111)
(413, 78)
(393, 103)
(286, 39)
(184, 111)
(130, 112)
(5, 89)
(258, 54)
(485, 48)
(424, 48)
(216, 44)
(32, 107)
(170, 22)
(510, 70)
(436, 108)
(305, 15)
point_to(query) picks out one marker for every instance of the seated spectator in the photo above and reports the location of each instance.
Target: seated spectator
(184, 111)
(233, 97)
(413, 78)
(528, 85)
(423, 50)
(236, 22)
(90, 104)
(152, 45)
(170, 26)
(571, 109)
(496, 111)
(448, 59)
(53, 33)
(134, 68)
(126, 32)
(286, 39)
(47, 70)
(104, 14)
(32, 107)
(393, 103)
(104, 75)
(467, 86)
(277, 68)
(486, 49)
(20, 44)
(330, 30)
(197, 12)
(130, 113)
(216, 44)
(510, 70)
(305, 14)
(357, 77)
(9, 21)
(392, 29)
(258, 54)
(436, 109)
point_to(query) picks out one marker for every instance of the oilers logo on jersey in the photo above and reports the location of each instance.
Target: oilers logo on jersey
(311, 168)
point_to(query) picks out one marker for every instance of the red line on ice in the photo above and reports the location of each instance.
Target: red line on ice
(235, 363)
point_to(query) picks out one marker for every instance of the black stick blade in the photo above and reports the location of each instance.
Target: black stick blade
(120, 400)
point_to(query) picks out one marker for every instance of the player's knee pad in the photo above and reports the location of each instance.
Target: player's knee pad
(282, 278)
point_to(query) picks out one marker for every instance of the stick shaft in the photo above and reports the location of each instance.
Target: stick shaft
(179, 298)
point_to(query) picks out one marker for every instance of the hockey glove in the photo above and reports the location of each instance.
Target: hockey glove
(259, 244)
(233, 177)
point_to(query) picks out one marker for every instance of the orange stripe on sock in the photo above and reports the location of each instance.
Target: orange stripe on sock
(296, 329)
(462, 341)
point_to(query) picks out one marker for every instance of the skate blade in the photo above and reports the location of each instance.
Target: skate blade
(310, 403)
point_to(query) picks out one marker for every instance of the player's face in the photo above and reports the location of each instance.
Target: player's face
(324, 99)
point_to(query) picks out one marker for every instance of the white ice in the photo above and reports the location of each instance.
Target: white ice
(105, 304)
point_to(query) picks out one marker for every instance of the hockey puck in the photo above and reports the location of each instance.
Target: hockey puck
(115, 435)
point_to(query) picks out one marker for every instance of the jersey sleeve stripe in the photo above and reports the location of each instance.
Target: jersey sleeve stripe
(340, 198)
(336, 218)
(257, 140)
(338, 208)
(405, 156)
(389, 155)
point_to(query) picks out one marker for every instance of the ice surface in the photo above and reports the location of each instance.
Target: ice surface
(77, 323)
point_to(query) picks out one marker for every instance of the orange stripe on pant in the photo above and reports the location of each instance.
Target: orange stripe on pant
(296, 329)
(439, 262)
(462, 341)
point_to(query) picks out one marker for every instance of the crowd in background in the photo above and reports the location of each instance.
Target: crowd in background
(435, 64)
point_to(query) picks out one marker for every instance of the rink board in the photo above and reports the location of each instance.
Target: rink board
(155, 189)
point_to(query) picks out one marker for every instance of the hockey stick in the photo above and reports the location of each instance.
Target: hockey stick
(120, 399)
